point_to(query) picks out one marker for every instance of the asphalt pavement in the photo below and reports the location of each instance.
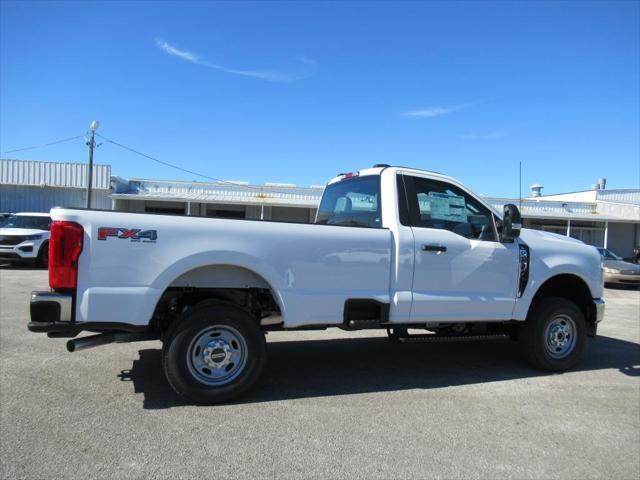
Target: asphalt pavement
(331, 405)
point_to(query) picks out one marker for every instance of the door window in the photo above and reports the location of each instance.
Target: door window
(436, 204)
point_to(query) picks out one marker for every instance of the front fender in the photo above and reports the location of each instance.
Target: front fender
(582, 262)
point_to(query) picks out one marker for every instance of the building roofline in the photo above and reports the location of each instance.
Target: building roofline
(55, 161)
(597, 190)
(230, 183)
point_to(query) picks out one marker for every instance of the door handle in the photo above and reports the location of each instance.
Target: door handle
(434, 248)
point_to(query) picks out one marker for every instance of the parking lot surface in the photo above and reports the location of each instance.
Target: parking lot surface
(331, 405)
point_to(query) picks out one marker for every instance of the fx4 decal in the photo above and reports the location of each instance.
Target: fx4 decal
(134, 234)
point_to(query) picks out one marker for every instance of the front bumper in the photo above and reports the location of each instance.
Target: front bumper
(53, 313)
(599, 306)
(596, 315)
(27, 250)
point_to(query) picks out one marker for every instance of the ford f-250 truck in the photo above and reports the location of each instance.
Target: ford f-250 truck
(392, 248)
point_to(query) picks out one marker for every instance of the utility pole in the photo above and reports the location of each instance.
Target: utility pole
(91, 143)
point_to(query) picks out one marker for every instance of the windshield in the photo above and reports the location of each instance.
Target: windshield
(354, 202)
(23, 221)
(608, 254)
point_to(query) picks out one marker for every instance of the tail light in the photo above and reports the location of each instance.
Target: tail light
(65, 246)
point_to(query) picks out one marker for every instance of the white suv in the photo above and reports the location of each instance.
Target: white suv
(25, 237)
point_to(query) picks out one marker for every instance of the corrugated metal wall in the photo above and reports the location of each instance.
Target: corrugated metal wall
(28, 172)
(20, 198)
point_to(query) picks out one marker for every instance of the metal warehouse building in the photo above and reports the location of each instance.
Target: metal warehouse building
(603, 218)
(30, 186)
(600, 217)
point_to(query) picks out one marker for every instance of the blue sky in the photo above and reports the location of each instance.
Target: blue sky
(297, 92)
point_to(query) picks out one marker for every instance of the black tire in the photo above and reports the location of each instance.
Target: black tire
(535, 334)
(188, 378)
(43, 256)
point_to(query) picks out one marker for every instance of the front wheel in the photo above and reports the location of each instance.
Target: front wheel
(554, 335)
(215, 353)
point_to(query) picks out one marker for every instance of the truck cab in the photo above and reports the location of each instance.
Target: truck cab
(454, 260)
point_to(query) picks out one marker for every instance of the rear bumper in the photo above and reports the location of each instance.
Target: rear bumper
(53, 313)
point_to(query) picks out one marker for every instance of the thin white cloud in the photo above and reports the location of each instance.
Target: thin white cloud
(306, 66)
(492, 135)
(171, 50)
(430, 112)
(437, 111)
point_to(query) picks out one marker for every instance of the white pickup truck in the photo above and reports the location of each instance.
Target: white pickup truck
(392, 248)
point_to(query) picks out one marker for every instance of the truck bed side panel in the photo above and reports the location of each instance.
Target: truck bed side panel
(312, 269)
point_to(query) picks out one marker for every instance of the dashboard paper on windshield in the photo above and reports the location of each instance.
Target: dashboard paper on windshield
(447, 207)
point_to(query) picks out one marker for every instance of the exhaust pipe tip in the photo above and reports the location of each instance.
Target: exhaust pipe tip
(91, 341)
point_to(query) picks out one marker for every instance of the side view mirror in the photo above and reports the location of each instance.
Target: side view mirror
(511, 222)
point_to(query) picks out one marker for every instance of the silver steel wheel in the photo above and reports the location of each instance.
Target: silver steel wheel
(560, 336)
(217, 355)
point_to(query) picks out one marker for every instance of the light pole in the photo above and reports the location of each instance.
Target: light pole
(91, 143)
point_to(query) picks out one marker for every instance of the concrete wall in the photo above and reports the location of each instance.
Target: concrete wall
(20, 198)
(619, 210)
(623, 237)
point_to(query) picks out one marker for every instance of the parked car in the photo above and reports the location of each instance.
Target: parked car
(617, 270)
(392, 248)
(24, 237)
(3, 217)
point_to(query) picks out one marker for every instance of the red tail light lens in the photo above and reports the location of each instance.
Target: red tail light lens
(65, 246)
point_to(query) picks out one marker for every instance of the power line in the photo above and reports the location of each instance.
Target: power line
(44, 144)
(174, 166)
(108, 140)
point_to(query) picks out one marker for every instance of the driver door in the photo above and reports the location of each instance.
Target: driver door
(461, 271)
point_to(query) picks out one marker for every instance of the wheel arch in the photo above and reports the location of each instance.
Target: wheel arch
(220, 275)
(42, 259)
(217, 281)
(570, 287)
(43, 245)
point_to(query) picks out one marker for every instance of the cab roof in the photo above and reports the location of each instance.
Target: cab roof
(378, 169)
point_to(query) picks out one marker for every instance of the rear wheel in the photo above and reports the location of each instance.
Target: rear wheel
(214, 353)
(554, 335)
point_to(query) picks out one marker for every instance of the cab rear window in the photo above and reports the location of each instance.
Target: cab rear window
(354, 202)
